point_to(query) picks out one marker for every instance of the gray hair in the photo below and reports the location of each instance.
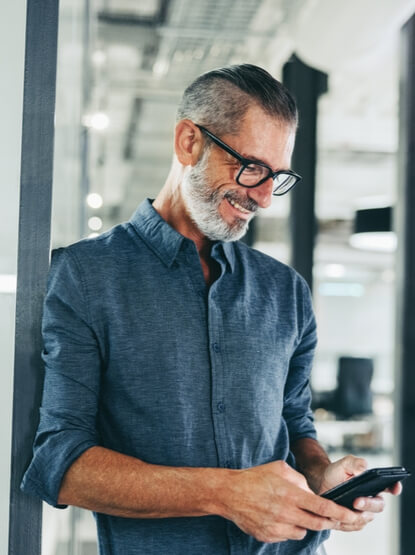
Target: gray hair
(220, 98)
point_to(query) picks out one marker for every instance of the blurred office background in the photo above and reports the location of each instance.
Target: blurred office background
(121, 67)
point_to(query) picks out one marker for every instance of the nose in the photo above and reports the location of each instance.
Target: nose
(262, 194)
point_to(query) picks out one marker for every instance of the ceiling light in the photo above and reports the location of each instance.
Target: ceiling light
(373, 230)
(98, 121)
(95, 223)
(334, 270)
(94, 200)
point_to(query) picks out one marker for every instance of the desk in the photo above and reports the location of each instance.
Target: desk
(373, 433)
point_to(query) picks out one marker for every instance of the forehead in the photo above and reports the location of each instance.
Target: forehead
(263, 137)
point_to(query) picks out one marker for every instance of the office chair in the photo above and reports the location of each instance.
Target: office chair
(353, 396)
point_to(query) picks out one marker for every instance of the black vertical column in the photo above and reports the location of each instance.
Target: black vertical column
(306, 84)
(33, 261)
(405, 339)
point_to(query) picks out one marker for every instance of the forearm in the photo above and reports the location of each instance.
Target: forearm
(311, 460)
(109, 482)
(270, 502)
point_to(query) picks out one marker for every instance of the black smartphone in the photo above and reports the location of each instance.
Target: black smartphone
(369, 483)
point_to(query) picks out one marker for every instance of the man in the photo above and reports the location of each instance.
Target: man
(176, 399)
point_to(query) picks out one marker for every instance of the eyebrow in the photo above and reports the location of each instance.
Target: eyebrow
(218, 140)
(248, 158)
(255, 159)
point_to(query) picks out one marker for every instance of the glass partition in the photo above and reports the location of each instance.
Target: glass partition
(12, 41)
(121, 69)
(354, 284)
(70, 531)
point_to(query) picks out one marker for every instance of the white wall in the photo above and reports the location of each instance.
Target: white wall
(12, 43)
(356, 326)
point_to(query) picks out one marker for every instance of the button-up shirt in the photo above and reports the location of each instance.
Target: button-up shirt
(142, 357)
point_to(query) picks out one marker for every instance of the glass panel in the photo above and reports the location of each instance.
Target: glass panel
(121, 72)
(354, 290)
(71, 531)
(12, 42)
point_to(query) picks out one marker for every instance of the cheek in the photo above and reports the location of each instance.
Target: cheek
(220, 172)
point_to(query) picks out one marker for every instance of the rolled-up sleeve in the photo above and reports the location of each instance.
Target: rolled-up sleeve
(297, 393)
(72, 378)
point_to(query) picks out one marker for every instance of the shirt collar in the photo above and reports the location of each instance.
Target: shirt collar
(164, 240)
(156, 232)
(228, 250)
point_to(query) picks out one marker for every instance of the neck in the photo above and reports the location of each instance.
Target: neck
(169, 204)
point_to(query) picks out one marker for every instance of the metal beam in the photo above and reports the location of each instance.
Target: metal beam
(306, 84)
(33, 261)
(134, 19)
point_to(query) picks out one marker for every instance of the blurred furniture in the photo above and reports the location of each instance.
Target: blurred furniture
(352, 396)
(345, 418)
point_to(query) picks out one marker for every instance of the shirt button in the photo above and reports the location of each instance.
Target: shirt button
(216, 347)
(220, 406)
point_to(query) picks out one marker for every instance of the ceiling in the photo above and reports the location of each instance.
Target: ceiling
(142, 53)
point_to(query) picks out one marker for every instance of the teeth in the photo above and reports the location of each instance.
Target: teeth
(238, 206)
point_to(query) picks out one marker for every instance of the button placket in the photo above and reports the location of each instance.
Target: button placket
(218, 382)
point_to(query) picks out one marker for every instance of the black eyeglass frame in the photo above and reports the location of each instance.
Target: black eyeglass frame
(246, 162)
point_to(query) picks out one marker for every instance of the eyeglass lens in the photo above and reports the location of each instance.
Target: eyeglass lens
(252, 174)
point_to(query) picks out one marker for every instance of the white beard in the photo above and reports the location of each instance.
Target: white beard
(203, 202)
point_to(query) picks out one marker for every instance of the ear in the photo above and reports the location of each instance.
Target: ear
(188, 142)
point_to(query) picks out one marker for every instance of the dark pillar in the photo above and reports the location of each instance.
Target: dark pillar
(33, 261)
(405, 314)
(306, 84)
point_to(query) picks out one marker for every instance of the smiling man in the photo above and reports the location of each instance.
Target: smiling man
(176, 402)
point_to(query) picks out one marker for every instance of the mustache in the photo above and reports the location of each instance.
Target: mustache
(247, 203)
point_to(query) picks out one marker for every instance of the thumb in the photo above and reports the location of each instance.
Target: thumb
(354, 465)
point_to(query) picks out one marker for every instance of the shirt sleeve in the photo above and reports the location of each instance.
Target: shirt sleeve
(297, 394)
(72, 360)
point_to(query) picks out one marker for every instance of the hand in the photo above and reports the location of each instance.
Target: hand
(343, 470)
(273, 503)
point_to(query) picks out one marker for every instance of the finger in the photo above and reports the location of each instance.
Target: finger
(372, 504)
(363, 521)
(354, 465)
(326, 508)
(295, 516)
(314, 522)
(291, 531)
(396, 489)
(281, 532)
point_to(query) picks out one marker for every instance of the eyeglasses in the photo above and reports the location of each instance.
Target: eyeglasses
(252, 173)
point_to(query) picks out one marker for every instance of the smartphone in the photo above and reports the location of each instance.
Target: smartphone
(369, 483)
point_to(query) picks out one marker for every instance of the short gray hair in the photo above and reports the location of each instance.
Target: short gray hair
(220, 98)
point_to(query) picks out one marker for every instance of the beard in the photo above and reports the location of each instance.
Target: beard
(203, 203)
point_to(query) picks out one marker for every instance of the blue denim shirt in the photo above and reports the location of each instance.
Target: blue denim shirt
(143, 358)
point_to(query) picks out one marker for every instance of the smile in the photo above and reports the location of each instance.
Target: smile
(238, 206)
